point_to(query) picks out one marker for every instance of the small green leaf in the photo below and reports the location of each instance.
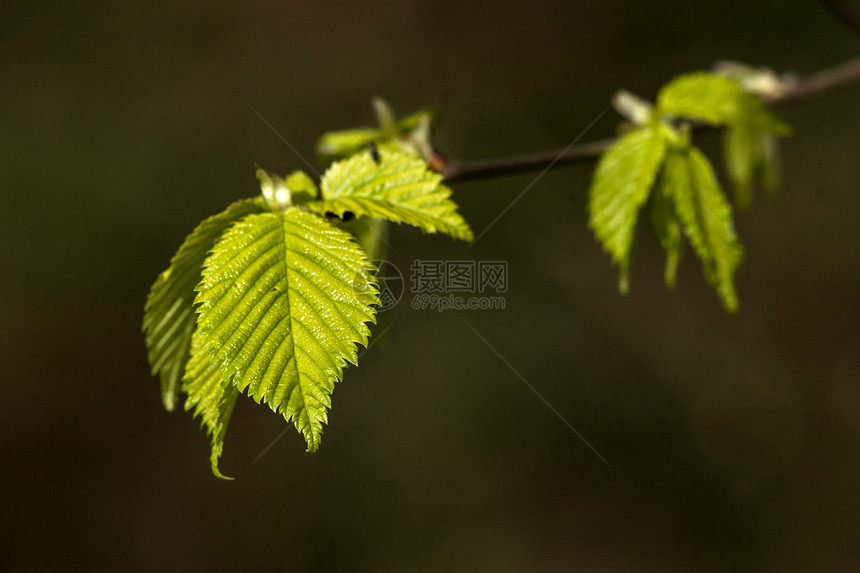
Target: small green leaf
(703, 96)
(336, 144)
(391, 135)
(400, 188)
(285, 298)
(717, 100)
(622, 181)
(743, 152)
(168, 319)
(302, 187)
(750, 152)
(665, 225)
(211, 396)
(706, 218)
(384, 117)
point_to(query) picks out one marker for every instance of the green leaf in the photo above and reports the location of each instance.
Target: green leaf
(666, 227)
(400, 188)
(211, 396)
(770, 163)
(703, 96)
(749, 152)
(335, 145)
(743, 152)
(302, 187)
(717, 100)
(706, 218)
(622, 181)
(384, 116)
(168, 319)
(285, 298)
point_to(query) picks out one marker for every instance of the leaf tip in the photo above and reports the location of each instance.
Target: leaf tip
(169, 401)
(730, 300)
(624, 280)
(670, 274)
(218, 474)
(214, 457)
(313, 440)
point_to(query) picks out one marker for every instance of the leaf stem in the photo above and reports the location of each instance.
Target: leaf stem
(455, 171)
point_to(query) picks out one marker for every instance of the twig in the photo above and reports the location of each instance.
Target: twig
(486, 168)
(824, 81)
(845, 11)
(456, 171)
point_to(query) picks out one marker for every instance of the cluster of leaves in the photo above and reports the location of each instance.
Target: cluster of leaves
(271, 297)
(655, 164)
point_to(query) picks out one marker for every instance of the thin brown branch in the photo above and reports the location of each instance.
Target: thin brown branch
(487, 168)
(845, 11)
(816, 84)
(838, 76)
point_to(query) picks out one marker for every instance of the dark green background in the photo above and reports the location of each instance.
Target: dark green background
(732, 441)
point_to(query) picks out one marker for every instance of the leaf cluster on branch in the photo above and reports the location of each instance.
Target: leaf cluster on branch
(655, 163)
(272, 297)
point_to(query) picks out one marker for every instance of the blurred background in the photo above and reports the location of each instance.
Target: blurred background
(732, 441)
